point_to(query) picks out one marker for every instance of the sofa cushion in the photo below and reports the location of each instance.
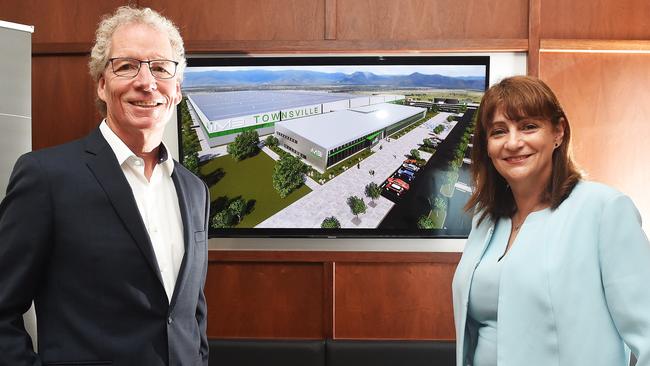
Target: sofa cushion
(391, 353)
(266, 352)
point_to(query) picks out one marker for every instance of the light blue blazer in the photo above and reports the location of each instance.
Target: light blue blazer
(574, 288)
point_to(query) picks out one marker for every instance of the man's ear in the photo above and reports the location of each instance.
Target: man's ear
(179, 96)
(101, 88)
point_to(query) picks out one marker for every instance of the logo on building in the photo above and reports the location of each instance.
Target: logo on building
(316, 152)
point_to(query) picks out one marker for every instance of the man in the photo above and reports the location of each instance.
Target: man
(107, 234)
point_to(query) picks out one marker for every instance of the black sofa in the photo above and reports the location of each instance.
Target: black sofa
(236, 352)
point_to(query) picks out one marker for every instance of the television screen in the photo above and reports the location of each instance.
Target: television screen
(333, 146)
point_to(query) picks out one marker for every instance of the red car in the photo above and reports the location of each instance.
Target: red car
(413, 161)
(396, 185)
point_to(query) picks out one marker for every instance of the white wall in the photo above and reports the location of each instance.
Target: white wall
(15, 97)
(16, 112)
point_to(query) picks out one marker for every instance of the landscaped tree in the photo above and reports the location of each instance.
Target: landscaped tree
(452, 176)
(191, 162)
(330, 223)
(440, 204)
(237, 208)
(189, 141)
(357, 206)
(222, 219)
(438, 129)
(425, 222)
(427, 143)
(415, 154)
(288, 174)
(245, 145)
(373, 191)
(450, 118)
(459, 153)
(271, 141)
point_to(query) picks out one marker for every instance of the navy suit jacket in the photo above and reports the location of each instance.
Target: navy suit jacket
(72, 240)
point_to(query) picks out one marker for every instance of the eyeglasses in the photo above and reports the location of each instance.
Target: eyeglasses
(130, 67)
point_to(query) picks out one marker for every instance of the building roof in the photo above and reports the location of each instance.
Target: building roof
(224, 105)
(330, 130)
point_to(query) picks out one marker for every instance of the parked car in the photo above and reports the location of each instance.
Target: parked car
(414, 168)
(396, 185)
(405, 174)
(414, 162)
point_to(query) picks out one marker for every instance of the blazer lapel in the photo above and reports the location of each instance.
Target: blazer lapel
(182, 192)
(102, 162)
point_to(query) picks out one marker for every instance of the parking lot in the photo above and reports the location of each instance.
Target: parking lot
(330, 198)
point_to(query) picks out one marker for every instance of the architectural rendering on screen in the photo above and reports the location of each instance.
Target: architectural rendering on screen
(337, 146)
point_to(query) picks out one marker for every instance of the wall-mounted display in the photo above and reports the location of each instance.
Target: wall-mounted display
(322, 146)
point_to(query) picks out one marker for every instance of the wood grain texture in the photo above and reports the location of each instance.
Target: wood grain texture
(297, 47)
(393, 301)
(534, 24)
(424, 19)
(373, 46)
(265, 300)
(63, 100)
(328, 303)
(330, 19)
(210, 20)
(596, 19)
(59, 20)
(586, 45)
(606, 98)
(331, 256)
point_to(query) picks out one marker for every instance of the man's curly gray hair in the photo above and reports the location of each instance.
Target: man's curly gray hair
(128, 15)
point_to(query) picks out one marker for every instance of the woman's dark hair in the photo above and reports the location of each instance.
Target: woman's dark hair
(518, 97)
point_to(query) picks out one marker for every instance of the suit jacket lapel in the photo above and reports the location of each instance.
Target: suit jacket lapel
(103, 163)
(182, 193)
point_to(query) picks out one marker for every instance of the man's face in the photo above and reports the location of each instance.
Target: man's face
(139, 104)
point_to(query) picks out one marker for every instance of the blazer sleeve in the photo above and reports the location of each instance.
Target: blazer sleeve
(201, 309)
(624, 253)
(25, 232)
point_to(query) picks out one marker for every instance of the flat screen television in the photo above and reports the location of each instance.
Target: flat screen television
(333, 146)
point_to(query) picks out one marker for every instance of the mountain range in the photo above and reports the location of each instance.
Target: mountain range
(297, 78)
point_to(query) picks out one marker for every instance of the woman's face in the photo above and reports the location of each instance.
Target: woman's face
(522, 151)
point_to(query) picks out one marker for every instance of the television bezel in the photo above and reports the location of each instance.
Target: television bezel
(216, 60)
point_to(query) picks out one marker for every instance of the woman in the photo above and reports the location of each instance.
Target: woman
(556, 269)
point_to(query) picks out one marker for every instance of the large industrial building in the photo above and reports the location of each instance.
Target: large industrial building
(325, 139)
(224, 115)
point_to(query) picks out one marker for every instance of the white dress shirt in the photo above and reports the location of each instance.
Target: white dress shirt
(158, 205)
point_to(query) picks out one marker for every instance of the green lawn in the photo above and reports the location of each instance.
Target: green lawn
(250, 179)
(438, 216)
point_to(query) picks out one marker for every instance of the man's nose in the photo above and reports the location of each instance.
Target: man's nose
(145, 78)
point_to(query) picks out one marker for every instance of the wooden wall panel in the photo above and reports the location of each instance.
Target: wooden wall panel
(369, 295)
(393, 301)
(423, 19)
(245, 19)
(596, 19)
(265, 300)
(63, 100)
(606, 98)
(59, 21)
